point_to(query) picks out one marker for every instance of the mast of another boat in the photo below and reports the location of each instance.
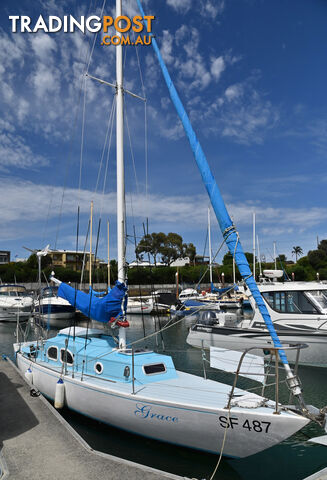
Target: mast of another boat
(108, 266)
(254, 245)
(209, 241)
(91, 227)
(120, 166)
(275, 260)
(259, 258)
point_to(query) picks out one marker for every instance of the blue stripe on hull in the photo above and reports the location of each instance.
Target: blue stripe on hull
(46, 309)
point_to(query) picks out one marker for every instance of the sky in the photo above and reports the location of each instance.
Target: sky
(252, 75)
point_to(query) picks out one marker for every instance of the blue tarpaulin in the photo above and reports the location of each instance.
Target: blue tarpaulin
(222, 290)
(100, 309)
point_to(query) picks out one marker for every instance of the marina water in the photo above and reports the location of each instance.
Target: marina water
(293, 459)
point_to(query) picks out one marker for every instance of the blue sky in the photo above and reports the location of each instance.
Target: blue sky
(252, 75)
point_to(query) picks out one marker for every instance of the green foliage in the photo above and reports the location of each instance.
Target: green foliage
(297, 251)
(323, 246)
(190, 251)
(317, 258)
(228, 258)
(169, 247)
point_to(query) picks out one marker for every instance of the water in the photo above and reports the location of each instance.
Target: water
(293, 459)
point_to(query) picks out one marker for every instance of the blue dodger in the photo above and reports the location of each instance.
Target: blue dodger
(226, 225)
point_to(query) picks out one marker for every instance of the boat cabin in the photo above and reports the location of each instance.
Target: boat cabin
(13, 290)
(101, 357)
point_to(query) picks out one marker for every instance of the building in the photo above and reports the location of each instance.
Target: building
(4, 257)
(180, 262)
(71, 259)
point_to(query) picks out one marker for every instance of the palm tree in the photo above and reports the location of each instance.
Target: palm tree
(297, 251)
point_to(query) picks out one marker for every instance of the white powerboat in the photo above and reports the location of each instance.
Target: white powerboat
(139, 305)
(15, 303)
(53, 310)
(298, 311)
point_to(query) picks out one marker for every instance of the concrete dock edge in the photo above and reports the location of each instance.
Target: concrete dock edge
(114, 467)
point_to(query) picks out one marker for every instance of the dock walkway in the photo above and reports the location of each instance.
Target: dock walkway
(36, 442)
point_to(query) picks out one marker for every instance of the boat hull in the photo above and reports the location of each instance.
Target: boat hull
(240, 339)
(249, 431)
(9, 314)
(57, 314)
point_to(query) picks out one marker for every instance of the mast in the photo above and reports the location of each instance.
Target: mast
(108, 266)
(91, 225)
(259, 258)
(209, 241)
(254, 245)
(275, 261)
(120, 166)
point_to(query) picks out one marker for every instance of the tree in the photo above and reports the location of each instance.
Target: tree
(189, 251)
(228, 259)
(173, 248)
(170, 247)
(151, 244)
(323, 246)
(317, 258)
(297, 251)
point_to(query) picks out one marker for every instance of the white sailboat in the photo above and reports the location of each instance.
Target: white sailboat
(140, 391)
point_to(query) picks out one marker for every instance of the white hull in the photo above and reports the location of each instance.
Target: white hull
(144, 308)
(11, 315)
(240, 339)
(182, 423)
(57, 311)
(58, 320)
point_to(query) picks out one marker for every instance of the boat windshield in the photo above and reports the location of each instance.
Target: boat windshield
(319, 298)
(50, 292)
(290, 302)
(13, 291)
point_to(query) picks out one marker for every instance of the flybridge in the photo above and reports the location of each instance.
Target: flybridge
(70, 24)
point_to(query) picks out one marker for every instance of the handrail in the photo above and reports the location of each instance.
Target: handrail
(274, 350)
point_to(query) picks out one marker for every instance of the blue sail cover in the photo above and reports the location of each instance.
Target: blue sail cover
(226, 225)
(222, 290)
(100, 309)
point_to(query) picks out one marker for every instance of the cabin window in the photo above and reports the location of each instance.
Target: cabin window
(66, 356)
(154, 368)
(52, 353)
(98, 367)
(289, 302)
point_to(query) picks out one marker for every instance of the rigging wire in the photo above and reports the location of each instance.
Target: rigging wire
(104, 146)
(87, 61)
(113, 110)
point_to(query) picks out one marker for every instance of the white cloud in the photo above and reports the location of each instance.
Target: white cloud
(210, 9)
(14, 152)
(45, 81)
(44, 46)
(217, 67)
(166, 47)
(233, 92)
(180, 5)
